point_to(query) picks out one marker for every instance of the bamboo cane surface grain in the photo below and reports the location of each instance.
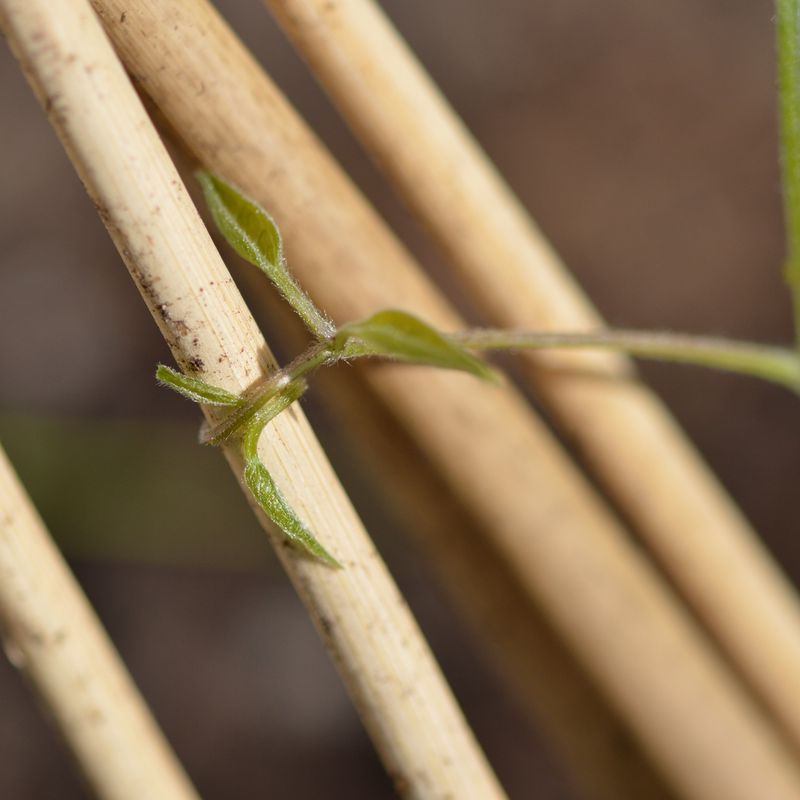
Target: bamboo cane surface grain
(517, 280)
(51, 634)
(599, 756)
(326, 224)
(405, 704)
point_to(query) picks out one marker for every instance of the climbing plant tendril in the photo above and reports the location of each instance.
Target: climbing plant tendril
(400, 336)
(788, 46)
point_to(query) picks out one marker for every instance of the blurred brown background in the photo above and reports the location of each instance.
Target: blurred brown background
(643, 139)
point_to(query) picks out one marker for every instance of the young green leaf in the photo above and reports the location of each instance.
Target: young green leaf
(260, 483)
(196, 390)
(399, 335)
(253, 234)
(275, 506)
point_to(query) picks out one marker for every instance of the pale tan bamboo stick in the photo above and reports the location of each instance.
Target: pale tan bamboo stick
(406, 705)
(601, 594)
(601, 758)
(516, 279)
(51, 634)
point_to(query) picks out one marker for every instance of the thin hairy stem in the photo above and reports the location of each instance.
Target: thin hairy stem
(258, 396)
(776, 364)
(788, 40)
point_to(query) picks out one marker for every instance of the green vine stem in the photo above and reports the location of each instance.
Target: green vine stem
(255, 399)
(400, 336)
(788, 41)
(776, 364)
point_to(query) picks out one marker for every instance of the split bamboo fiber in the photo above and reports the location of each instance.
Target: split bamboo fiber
(515, 278)
(407, 707)
(567, 550)
(52, 635)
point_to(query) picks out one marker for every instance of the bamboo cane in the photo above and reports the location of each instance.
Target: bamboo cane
(596, 751)
(512, 274)
(566, 549)
(395, 683)
(51, 633)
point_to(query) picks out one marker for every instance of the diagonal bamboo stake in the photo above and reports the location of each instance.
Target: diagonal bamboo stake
(52, 635)
(596, 751)
(381, 654)
(517, 281)
(565, 548)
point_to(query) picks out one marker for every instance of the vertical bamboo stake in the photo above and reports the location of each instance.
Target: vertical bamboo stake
(513, 275)
(405, 703)
(52, 635)
(567, 551)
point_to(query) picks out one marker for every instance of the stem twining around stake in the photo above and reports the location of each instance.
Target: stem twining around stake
(788, 47)
(399, 336)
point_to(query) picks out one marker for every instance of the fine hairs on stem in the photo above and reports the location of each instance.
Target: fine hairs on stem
(397, 335)
(776, 364)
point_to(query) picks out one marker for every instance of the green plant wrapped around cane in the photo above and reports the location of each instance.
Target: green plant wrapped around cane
(398, 336)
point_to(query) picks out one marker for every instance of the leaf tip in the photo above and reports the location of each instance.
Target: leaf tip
(274, 505)
(206, 181)
(322, 555)
(490, 374)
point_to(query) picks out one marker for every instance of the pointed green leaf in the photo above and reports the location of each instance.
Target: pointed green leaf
(399, 335)
(275, 506)
(249, 230)
(260, 483)
(196, 390)
(253, 234)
